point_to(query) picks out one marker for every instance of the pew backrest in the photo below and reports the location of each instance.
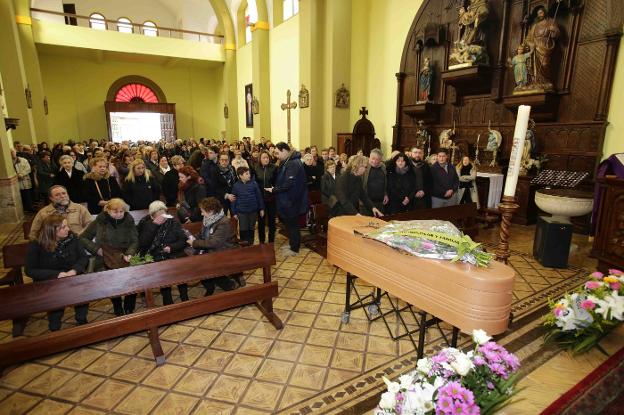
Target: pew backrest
(23, 300)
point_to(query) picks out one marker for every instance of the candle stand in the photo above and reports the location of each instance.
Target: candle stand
(507, 208)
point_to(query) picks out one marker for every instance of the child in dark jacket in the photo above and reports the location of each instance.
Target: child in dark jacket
(248, 203)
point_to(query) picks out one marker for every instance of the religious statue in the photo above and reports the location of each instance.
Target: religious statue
(45, 105)
(541, 41)
(28, 96)
(520, 63)
(422, 135)
(226, 111)
(342, 97)
(470, 49)
(495, 139)
(425, 81)
(446, 137)
(255, 105)
(304, 97)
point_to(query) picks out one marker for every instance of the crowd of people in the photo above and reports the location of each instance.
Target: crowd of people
(91, 187)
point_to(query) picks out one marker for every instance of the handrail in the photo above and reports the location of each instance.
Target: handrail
(116, 23)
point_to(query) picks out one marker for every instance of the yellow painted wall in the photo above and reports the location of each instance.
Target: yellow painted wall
(614, 137)
(284, 61)
(379, 31)
(243, 77)
(76, 89)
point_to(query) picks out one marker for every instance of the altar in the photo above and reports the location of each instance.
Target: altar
(495, 188)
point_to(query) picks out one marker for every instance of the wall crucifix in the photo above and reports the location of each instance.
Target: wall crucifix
(289, 105)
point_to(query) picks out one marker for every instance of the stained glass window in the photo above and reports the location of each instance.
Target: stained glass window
(251, 18)
(136, 93)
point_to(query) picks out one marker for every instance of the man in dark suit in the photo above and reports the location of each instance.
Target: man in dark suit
(445, 182)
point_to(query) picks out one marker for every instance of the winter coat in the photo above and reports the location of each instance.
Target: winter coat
(350, 193)
(224, 180)
(465, 181)
(42, 265)
(328, 190)
(192, 196)
(77, 216)
(140, 193)
(248, 197)
(221, 237)
(97, 188)
(45, 176)
(422, 170)
(73, 184)
(313, 176)
(23, 170)
(196, 159)
(443, 180)
(265, 177)
(153, 238)
(119, 234)
(209, 171)
(401, 186)
(290, 187)
(170, 186)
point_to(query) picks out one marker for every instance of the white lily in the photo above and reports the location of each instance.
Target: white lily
(480, 337)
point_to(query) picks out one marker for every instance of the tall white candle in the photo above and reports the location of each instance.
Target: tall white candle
(522, 122)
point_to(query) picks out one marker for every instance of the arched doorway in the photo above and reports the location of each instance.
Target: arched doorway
(137, 109)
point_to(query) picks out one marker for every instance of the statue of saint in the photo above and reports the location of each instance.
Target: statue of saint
(425, 81)
(520, 64)
(494, 140)
(342, 97)
(529, 147)
(446, 138)
(542, 40)
(304, 97)
(469, 49)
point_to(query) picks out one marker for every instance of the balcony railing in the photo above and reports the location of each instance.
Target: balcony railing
(137, 28)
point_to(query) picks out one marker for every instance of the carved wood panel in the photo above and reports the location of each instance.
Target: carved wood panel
(583, 65)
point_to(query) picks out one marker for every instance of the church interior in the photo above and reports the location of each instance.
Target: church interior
(514, 106)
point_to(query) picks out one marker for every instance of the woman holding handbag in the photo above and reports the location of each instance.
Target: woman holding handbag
(113, 238)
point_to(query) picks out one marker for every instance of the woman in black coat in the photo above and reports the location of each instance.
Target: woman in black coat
(71, 179)
(401, 184)
(171, 180)
(328, 185)
(140, 187)
(162, 236)
(191, 192)
(99, 186)
(350, 189)
(265, 172)
(57, 253)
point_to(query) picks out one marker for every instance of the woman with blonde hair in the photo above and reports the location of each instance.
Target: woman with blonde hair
(350, 189)
(140, 188)
(113, 237)
(57, 253)
(99, 186)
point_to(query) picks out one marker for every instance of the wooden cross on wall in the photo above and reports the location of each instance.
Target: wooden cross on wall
(364, 112)
(287, 107)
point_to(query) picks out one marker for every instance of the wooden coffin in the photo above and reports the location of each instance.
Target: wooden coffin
(462, 295)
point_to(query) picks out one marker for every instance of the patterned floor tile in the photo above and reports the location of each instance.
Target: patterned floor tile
(49, 381)
(140, 401)
(228, 388)
(108, 394)
(262, 395)
(18, 403)
(196, 382)
(165, 376)
(243, 365)
(76, 389)
(214, 408)
(176, 404)
(23, 374)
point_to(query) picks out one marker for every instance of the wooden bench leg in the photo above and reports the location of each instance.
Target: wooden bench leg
(152, 333)
(266, 308)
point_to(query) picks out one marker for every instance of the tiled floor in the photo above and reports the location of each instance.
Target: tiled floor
(236, 362)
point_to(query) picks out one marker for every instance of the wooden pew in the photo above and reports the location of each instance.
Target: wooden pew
(23, 300)
(463, 216)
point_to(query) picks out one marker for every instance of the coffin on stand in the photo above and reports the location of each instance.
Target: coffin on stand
(462, 295)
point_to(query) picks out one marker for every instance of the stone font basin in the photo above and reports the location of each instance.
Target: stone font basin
(563, 204)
